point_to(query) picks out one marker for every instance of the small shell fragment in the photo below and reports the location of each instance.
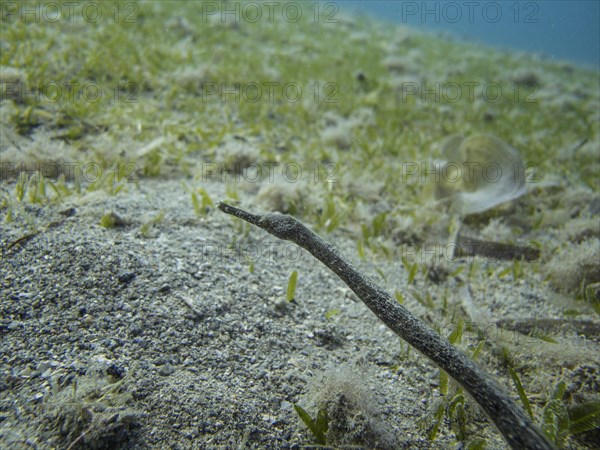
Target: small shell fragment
(479, 173)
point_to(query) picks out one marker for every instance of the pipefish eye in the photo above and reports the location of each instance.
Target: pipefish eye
(479, 173)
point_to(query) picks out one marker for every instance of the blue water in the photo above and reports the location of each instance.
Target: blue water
(562, 30)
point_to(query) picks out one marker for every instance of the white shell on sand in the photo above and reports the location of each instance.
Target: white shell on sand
(478, 173)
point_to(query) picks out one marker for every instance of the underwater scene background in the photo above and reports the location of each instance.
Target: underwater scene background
(561, 30)
(460, 171)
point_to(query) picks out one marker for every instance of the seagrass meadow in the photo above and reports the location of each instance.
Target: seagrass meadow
(134, 314)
